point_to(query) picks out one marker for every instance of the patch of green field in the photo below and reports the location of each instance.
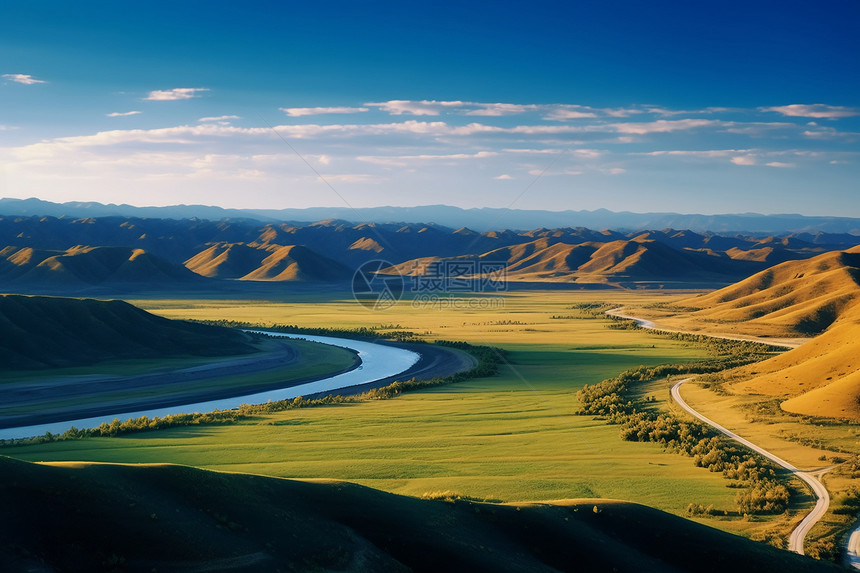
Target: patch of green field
(513, 437)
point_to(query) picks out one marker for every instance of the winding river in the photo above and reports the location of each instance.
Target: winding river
(378, 361)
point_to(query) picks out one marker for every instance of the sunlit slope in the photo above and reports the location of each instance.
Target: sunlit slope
(793, 298)
(270, 262)
(819, 296)
(106, 517)
(43, 332)
(821, 378)
(82, 266)
(549, 259)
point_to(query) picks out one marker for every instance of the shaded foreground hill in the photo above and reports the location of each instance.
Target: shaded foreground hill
(817, 297)
(80, 517)
(45, 332)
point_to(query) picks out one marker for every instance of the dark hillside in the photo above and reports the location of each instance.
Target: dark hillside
(78, 517)
(43, 332)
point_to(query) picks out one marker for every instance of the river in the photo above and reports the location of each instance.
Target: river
(378, 361)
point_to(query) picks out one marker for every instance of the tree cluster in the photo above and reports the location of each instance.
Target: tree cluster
(610, 399)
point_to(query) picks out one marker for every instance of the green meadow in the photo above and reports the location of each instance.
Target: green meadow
(512, 437)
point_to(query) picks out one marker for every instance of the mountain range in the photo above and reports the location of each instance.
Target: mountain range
(481, 219)
(53, 255)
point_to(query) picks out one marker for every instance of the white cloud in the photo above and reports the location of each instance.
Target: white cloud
(533, 151)
(780, 164)
(499, 109)
(708, 153)
(123, 113)
(503, 177)
(816, 110)
(404, 160)
(744, 160)
(622, 111)
(352, 178)
(664, 126)
(587, 153)
(25, 79)
(220, 118)
(423, 107)
(174, 94)
(545, 173)
(703, 111)
(617, 171)
(303, 111)
(564, 112)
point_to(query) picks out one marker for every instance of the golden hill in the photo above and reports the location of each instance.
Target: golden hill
(226, 260)
(87, 266)
(297, 263)
(266, 262)
(549, 259)
(793, 298)
(818, 296)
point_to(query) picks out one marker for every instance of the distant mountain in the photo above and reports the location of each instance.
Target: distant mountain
(480, 220)
(46, 254)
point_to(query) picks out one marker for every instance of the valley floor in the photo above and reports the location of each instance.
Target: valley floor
(512, 437)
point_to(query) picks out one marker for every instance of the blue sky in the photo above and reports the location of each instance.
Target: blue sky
(706, 107)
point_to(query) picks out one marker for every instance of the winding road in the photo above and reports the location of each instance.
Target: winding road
(811, 477)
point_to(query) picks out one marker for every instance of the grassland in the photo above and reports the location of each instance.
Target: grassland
(513, 437)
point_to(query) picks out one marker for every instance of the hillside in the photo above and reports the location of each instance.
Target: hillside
(269, 262)
(82, 266)
(621, 262)
(80, 517)
(46, 332)
(818, 297)
(793, 298)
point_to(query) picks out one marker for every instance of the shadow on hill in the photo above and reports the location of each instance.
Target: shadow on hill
(78, 517)
(45, 332)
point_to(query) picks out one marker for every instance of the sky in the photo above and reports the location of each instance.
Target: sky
(692, 107)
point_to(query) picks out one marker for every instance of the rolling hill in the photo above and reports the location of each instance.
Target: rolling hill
(619, 262)
(81, 266)
(102, 517)
(817, 297)
(790, 299)
(269, 262)
(47, 332)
